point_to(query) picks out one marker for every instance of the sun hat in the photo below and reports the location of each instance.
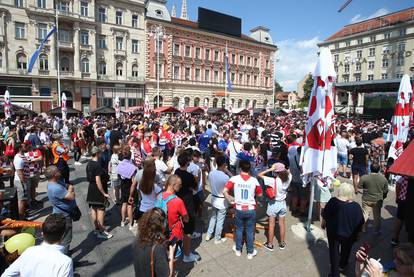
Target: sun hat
(279, 167)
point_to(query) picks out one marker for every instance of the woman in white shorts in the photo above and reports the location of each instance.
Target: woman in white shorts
(276, 189)
(115, 182)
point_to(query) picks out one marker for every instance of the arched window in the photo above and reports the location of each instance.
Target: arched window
(215, 102)
(247, 103)
(21, 61)
(85, 65)
(176, 101)
(119, 67)
(43, 62)
(69, 98)
(186, 102)
(232, 102)
(135, 70)
(102, 68)
(196, 102)
(156, 102)
(1, 60)
(254, 104)
(239, 103)
(223, 103)
(64, 64)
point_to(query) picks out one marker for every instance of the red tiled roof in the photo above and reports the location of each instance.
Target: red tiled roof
(374, 23)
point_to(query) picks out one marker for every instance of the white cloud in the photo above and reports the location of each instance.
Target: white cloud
(296, 59)
(359, 17)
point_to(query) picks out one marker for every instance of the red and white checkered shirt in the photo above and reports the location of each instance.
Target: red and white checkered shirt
(178, 138)
(402, 184)
(244, 188)
(30, 168)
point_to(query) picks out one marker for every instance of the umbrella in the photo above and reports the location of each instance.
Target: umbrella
(401, 119)
(64, 107)
(403, 166)
(7, 104)
(146, 107)
(117, 108)
(318, 157)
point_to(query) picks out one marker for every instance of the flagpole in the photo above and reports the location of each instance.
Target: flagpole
(57, 53)
(225, 81)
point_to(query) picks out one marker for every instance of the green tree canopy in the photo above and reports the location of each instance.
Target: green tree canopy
(307, 89)
(278, 87)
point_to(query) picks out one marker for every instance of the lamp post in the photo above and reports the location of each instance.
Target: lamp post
(158, 33)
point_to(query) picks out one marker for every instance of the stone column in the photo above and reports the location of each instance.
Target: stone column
(76, 44)
(92, 56)
(52, 56)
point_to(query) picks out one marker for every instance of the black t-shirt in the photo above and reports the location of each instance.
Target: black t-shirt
(359, 155)
(342, 218)
(186, 192)
(142, 261)
(115, 136)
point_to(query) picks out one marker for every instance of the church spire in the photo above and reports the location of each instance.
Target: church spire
(173, 11)
(184, 14)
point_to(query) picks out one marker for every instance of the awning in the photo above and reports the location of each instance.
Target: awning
(103, 111)
(383, 85)
(194, 110)
(241, 111)
(18, 110)
(166, 110)
(404, 164)
(135, 110)
(217, 111)
(70, 111)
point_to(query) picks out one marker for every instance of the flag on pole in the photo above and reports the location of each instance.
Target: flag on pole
(182, 105)
(39, 49)
(230, 108)
(205, 107)
(268, 106)
(400, 122)
(7, 105)
(146, 107)
(250, 108)
(64, 107)
(117, 107)
(229, 86)
(319, 157)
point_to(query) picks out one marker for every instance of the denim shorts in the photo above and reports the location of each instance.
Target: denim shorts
(342, 159)
(276, 208)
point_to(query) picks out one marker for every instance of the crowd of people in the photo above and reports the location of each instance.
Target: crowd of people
(159, 170)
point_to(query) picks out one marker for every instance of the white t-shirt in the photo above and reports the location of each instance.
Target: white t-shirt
(161, 168)
(196, 171)
(148, 200)
(342, 145)
(18, 163)
(218, 180)
(279, 186)
(233, 148)
(244, 189)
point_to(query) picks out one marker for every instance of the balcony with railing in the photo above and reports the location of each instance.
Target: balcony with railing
(65, 44)
(43, 72)
(120, 52)
(136, 78)
(86, 47)
(66, 73)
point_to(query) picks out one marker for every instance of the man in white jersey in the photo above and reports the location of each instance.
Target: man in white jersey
(245, 188)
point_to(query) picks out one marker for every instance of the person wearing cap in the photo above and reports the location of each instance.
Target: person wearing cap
(276, 207)
(165, 142)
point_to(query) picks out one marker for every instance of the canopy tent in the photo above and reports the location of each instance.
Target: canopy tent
(259, 111)
(277, 112)
(135, 110)
(217, 111)
(70, 111)
(104, 111)
(166, 110)
(194, 110)
(241, 111)
(18, 110)
(404, 164)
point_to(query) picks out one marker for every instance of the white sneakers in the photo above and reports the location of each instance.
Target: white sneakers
(78, 163)
(104, 235)
(249, 256)
(220, 241)
(208, 237)
(238, 253)
(193, 257)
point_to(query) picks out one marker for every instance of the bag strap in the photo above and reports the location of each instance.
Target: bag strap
(152, 260)
(234, 147)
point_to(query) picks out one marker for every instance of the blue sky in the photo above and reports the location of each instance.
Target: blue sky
(296, 25)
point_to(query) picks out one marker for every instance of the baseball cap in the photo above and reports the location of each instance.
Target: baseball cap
(95, 150)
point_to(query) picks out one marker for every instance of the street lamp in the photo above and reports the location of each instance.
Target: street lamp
(158, 33)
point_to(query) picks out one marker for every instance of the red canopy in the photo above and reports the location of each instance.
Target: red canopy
(404, 164)
(195, 110)
(166, 110)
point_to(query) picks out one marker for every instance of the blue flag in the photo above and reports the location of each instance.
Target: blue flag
(37, 52)
(229, 86)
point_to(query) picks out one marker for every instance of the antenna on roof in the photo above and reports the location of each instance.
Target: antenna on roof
(344, 5)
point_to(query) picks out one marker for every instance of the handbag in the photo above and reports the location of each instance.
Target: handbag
(75, 215)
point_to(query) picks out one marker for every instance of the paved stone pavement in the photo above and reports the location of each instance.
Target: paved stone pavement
(113, 257)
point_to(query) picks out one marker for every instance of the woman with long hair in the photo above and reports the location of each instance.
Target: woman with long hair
(150, 250)
(147, 187)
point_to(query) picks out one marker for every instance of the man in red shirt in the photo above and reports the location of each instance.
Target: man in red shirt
(245, 189)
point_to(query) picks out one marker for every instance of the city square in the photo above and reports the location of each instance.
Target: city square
(177, 138)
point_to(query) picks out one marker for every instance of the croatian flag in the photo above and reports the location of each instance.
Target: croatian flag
(146, 107)
(400, 122)
(228, 81)
(182, 105)
(117, 108)
(64, 107)
(39, 50)
(205, 107)
(7, 104)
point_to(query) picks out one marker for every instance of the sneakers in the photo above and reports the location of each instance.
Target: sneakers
(124, 223)
(238, 253)
(251, 255)
(268, 247)
(208, 237)
(282, 245)
(78, 163)
(131, 227)
(104, 235)
(220, 241)
(195, 235)
(191, 258)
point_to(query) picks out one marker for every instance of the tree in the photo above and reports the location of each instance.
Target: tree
(278, 87)
(307, 88)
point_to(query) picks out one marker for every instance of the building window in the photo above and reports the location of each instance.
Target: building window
(176, 50)
(255, 62)
(1, 60)
(384, 63)
(336, 68)
(135, 46)
(372, 39)
(85, 66)
(358, 66)
(346, 79)
(188, 51)
(384, 76)
(401, 47)
(20, 29)
(63, 7)
(41, 4)
(387, 35)
(248, 80)
(119, 43)
(248, 61)
(336, 57)
(240, 79)
(400, 60)
(176, 72)
(84, 38)
(216, 76)
(102, 15)
(119, 68)
(215, 102)
(64, 35)
(197, 52)
(255, 80)
(370, 77)
(233, 76)
(347, 43)
(197, 74)
(102, 68)
(359, 54)
(336, 45)
(233, 58)
(267, 82)
(134, 21)
(132, 102)
(359, 41)
(371, 64)
(403, 32)
(118, 18)
(267, 64)
(371, 52)
(207, 75)
(44, 91)
(196, 102)
(84, 8)
(216, 55)
(41, 31)
(357, 77)
(207, 57)
(159, 71)
(43, 62)
(102, 42)
(241, 60)
(21, 61)
(159, 47)
(135, 70)
(187, 73)
(64, 64)
(19, 3)
(346, 67)
(399, 75)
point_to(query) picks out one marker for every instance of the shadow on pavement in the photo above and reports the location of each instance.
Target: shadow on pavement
(117, 262)
(85, 247)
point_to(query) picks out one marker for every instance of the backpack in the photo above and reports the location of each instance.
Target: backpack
(163, 205)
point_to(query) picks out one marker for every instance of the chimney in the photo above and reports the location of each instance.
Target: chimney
(184, 14)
